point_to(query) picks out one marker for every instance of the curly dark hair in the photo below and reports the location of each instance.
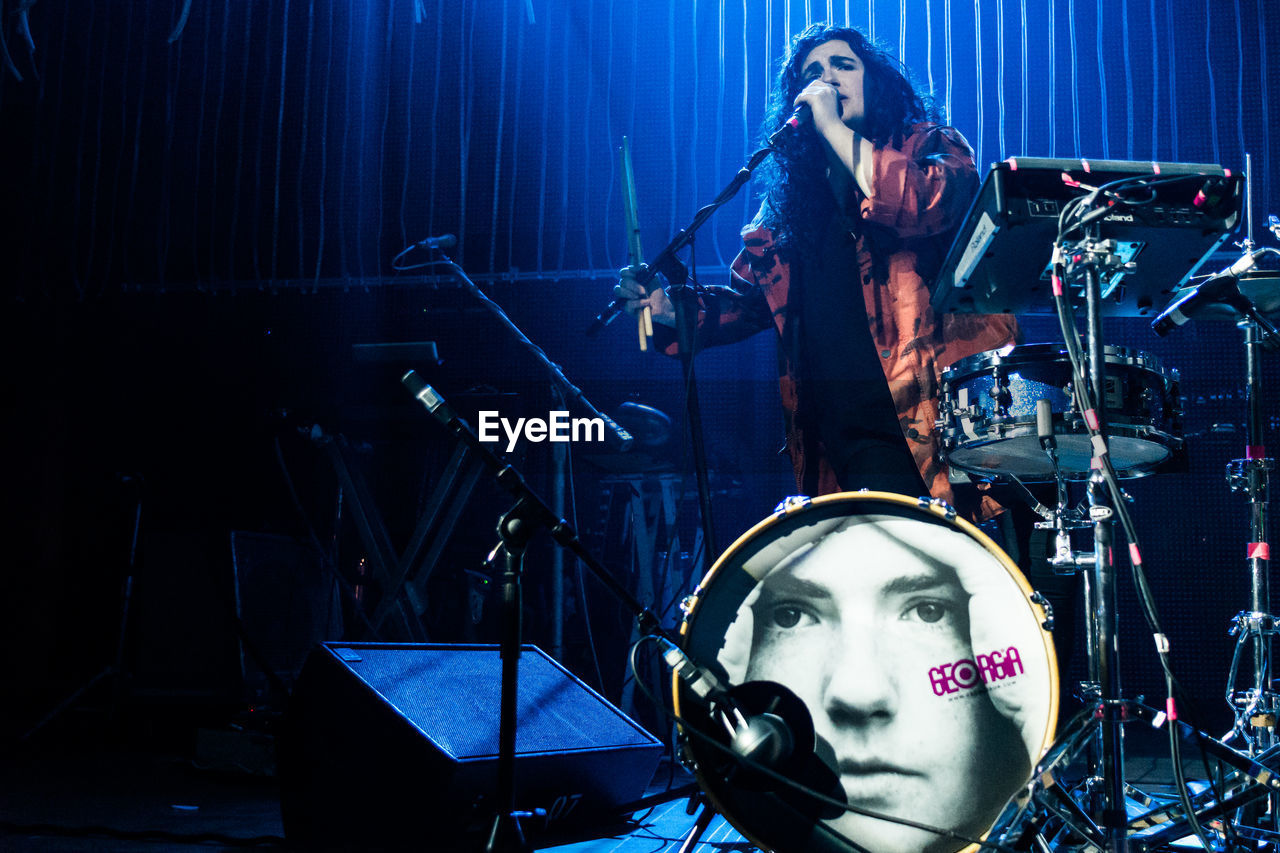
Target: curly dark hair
(793, 183)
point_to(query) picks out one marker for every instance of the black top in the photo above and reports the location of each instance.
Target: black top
(845, 399)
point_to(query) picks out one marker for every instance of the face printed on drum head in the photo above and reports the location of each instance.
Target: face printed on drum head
(853, 625)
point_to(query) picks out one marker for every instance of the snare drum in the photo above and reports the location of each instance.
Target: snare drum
(988, 413)
(903, 649)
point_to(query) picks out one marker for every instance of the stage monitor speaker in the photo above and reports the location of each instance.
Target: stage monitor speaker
(395, 746)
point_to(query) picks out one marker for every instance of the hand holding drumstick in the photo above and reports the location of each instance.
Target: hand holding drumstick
(642, 311)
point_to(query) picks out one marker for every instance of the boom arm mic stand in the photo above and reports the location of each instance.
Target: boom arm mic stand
(615, 435)
(517, 527)
(684, 297)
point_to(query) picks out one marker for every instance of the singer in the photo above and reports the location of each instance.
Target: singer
(858, 212)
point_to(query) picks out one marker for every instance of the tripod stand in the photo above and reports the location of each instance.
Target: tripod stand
(1257, 706)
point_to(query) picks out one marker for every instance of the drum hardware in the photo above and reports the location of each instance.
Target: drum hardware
(1256, 705)
(1088, 257)
(1062, 521)
(1161, 821)
(1065, 559)
(1098, 735)
(1047, 622)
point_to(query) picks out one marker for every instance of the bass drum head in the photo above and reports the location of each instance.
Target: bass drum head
(911, 640)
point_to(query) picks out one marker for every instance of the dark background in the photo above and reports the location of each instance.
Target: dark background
(200, 217)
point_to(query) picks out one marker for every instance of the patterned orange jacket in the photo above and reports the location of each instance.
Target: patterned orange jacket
(920, 192)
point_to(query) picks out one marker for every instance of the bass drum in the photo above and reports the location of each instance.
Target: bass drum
(903, 649)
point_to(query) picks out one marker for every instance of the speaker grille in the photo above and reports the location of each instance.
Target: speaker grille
(449, 693)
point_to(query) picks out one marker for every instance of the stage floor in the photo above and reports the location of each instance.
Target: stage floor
(86, 792)
(81, 795)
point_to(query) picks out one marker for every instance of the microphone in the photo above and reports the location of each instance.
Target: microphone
(800, 116)
(769, 726)
(775, 719)
(775, 731)
(444, 241)
(701, 681)
(1044, 425)
(1221, 287)
(766, 722)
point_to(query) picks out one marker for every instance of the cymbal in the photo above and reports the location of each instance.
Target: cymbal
(1261, 287)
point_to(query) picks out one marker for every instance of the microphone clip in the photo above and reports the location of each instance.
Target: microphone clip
(436, 244)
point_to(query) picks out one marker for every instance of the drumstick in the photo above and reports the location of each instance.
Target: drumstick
(631, 220)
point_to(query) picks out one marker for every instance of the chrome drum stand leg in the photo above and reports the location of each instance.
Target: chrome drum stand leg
(1256, 705)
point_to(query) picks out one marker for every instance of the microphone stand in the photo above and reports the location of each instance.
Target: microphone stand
(517, 527)
(615, 434)
(686, 302)
(666, 261)
(684, 297)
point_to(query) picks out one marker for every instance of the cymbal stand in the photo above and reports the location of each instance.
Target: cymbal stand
(1257, 706)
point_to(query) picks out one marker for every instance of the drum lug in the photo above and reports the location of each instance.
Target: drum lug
(1069, 392)
(1037, 598)
(687, 758)
(1000, 396)
(939, 506)
(688, 603)
(791, 504)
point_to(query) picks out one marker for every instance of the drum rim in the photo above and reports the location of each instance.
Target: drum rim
(1113, 354)
(941, 512)
(1074, 475)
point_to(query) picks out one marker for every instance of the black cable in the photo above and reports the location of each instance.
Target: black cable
(1114, 193)
(398, 267)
